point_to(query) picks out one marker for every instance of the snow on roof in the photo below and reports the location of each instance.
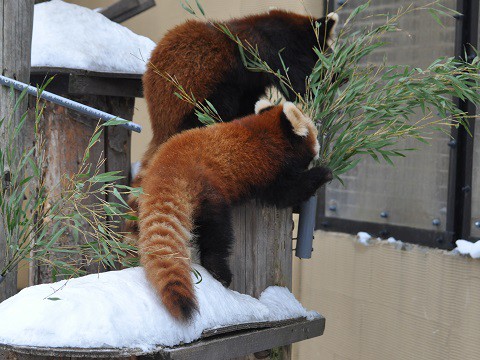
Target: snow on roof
(120, 309)
(70, 36)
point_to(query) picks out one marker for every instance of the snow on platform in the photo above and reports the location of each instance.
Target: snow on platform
(71, 36)
(119, 309)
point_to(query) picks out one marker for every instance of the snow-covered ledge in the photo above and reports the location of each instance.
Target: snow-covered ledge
(119, 312)
(74, 37)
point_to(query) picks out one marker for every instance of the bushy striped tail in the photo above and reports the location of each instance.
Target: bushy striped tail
(165, 233)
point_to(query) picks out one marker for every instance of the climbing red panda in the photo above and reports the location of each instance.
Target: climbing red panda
(208, 64)
(196, 177)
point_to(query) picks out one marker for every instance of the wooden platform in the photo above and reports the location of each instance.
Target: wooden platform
(84, 82)
(218, 344)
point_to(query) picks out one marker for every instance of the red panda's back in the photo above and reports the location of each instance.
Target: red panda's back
(198, 55)
(229, 156)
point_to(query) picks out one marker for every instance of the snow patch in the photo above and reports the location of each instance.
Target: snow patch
(71, 36)
(120, 309)
(392, 240)
(465, 247)
(364, 238)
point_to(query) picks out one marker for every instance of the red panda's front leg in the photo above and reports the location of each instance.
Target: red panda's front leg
(293, 191)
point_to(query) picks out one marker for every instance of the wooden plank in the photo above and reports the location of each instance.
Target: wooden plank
(243, 343)
(16, 21)
(41, 70)
(125, 87)
(226, 346)
(248, 326)
(88, 83)
(123, 10)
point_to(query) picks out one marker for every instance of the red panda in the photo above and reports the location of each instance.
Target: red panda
(196, 177)
(207, 63)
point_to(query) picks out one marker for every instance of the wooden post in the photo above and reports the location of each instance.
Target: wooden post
(262, 254)
(16, 22)
(66, 134)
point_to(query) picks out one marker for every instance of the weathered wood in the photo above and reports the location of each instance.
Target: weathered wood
(125, 9)
(79, 84)
(82, 82)
(226, 346)
(262, 254)
(118, 142)
(16, 21)
(67, 134)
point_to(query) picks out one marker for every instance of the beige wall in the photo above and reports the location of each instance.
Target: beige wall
(168, 13)
(384, 303)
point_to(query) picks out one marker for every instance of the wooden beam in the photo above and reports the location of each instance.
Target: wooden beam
(125, 9)
(226, 346)
(244, 343)
(82, 82)
(16, 22)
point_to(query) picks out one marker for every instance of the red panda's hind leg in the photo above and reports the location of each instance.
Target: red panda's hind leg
(215, 238)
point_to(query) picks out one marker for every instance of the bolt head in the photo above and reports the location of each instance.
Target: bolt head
(384, 214)
(477, 224)
(332, 207)
(436, 222)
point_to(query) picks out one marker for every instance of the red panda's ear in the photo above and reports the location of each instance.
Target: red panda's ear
(327, 27)
(262, 104)
(297, 119)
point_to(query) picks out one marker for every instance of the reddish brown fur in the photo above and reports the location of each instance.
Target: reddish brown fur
(205, 62)
(194, 44)
(220, 164)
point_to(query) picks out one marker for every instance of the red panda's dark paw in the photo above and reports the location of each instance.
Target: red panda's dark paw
(320, 175)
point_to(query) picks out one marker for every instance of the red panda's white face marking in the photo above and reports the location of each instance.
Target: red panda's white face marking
(302, 125)
(332, 17)
(262, 104)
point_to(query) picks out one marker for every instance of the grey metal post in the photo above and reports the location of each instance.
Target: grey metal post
(306, 225)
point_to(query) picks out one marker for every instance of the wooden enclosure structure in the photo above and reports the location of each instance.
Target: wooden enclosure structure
(262, 254)
(66, 133)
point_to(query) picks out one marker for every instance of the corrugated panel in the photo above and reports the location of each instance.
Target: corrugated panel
(385, 303)
(414, 192)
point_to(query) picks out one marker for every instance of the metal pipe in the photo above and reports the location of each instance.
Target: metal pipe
(62, 101)
(306, 225)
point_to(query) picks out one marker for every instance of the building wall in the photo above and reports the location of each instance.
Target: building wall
(384, 302)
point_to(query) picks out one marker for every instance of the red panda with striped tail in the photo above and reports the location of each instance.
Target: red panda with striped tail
(196, 177)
